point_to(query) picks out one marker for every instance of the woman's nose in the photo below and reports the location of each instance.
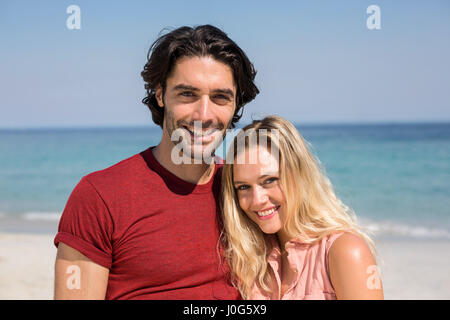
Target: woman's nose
(259, 196)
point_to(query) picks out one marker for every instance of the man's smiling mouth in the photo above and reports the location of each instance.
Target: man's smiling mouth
(199, 135)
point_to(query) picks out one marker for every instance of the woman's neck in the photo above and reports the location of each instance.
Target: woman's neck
(283, 238)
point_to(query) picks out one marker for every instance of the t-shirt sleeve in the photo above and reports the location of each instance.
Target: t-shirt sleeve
(86, 224)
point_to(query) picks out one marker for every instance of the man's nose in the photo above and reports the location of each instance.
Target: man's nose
(203, 110)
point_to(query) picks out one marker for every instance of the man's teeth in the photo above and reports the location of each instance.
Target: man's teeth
(266, 213)
(201, 133)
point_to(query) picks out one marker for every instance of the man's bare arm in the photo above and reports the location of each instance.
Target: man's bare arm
(77, 277)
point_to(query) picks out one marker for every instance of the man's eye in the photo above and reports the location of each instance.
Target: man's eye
(221, 96)
(221, 99)
(187, 94)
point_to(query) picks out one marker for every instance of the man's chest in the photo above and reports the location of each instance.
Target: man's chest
(168, 239)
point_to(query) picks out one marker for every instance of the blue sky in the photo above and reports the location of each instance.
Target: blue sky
(317, 61)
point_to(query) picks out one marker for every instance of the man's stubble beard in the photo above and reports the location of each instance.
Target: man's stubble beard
(206, 153)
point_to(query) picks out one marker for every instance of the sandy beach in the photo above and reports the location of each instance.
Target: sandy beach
(411, 268)
(26, 266)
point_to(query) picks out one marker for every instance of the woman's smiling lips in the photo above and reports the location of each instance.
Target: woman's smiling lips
(267, 213)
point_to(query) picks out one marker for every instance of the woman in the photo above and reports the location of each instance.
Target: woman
(286, 234)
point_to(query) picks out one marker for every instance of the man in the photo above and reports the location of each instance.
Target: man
(146, 227)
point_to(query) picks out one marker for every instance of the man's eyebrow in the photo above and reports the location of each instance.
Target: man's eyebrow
(185, 87)
(181, 87)
(224, 91)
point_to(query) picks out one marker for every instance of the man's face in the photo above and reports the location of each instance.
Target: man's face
(200, 99)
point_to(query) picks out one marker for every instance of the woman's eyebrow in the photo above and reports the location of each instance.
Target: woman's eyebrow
(267, 174)
(261, 177)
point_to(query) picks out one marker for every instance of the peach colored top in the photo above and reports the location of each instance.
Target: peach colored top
(310, 263)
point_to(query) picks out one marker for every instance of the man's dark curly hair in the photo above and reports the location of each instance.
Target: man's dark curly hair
(201, 41)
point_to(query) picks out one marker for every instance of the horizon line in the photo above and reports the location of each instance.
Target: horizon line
(238, 125)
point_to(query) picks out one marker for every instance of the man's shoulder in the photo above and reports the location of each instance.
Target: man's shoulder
(117, 173)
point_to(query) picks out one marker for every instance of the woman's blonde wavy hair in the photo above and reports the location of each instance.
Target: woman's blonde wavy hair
(312, 209)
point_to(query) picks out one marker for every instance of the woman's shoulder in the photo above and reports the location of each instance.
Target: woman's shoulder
(352, 268)
(346, 244)
(348, 250)
(336, 244)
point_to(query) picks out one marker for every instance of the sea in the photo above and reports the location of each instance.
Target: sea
(395, 177)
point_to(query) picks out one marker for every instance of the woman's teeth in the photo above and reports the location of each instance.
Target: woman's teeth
(266, 213)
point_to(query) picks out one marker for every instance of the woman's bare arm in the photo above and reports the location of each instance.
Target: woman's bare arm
(77, 277)
(353, 270)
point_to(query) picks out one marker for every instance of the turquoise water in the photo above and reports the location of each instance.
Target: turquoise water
(395, 177)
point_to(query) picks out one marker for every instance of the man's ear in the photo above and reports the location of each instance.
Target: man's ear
(159, 96)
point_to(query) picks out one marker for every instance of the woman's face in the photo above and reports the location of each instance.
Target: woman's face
(258, 188)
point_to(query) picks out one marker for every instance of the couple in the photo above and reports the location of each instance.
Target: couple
(265, 225)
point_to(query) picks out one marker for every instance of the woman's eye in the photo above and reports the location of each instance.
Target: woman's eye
(242, 187)
(270, 180)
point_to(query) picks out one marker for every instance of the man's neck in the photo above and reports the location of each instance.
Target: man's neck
(193, 173)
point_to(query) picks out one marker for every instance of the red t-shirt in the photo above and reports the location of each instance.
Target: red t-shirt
(157, 234)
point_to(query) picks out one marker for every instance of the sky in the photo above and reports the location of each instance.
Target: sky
(317, 61)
